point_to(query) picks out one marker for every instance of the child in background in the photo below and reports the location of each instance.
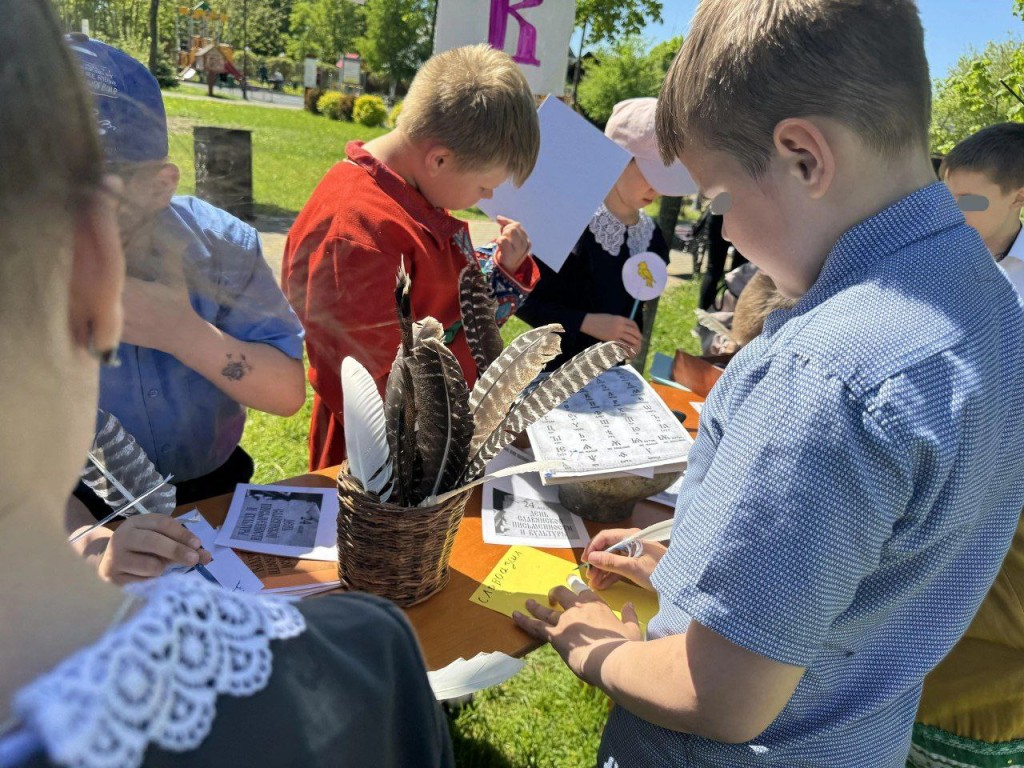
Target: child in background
(467, 124)
(207, 333)
(989, 166)
(972, 706)
(587, 295)
(859, 469)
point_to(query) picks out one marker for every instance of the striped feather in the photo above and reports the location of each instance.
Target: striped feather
(479, 311)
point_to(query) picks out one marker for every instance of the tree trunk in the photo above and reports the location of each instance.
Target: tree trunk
(154, 11)
(667, 218)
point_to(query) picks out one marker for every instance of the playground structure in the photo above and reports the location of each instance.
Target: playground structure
(198, 45)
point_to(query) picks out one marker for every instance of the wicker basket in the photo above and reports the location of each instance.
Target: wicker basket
(400, 553)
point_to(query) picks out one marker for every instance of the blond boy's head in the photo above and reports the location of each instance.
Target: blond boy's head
(475, 102)
(986, 173)
(749, 64)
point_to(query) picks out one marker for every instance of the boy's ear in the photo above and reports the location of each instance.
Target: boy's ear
(97, 271)
(165, 185)
(806, 154)
(1018, 198)
(438, 158)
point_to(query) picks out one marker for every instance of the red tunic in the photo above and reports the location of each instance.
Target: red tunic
(338, 272)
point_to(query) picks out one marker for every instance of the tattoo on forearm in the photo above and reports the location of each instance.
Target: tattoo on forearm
(236, 369)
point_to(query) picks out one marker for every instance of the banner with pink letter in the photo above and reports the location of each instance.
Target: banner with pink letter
(535, 33)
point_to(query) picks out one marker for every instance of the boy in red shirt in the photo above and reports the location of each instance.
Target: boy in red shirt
(467, 125)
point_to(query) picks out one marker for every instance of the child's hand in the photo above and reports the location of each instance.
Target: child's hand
(513, 245)
(607, 568)
(144, 545)
(612, 328)
(156, 315)
(585, 625)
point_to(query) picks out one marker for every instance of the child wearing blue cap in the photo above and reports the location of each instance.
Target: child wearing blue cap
(207, 331)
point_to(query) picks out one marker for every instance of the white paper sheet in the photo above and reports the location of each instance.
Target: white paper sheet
(283, 520)
(575, 170)
(226, 567)
(614, 426)
(463, 676)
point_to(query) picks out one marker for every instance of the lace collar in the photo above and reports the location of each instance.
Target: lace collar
(155, 678)
(609, 232)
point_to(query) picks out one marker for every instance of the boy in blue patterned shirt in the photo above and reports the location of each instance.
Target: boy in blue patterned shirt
(859, 469)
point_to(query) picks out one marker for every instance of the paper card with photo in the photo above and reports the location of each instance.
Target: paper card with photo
(283, 520)
(507, 518)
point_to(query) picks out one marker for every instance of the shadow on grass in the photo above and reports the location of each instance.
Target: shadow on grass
(273, 218)
(474, 753)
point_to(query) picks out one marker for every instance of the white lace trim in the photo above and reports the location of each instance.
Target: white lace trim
(609, 231)
(155, 678)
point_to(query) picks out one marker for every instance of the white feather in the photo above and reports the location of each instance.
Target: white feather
(658, 532)
(366, 443)
(548, 465)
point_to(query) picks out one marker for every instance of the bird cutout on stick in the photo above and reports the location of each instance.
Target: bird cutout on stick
(478, 318)
(570, 378)
(444, 424)
(507, 377)
(120, 473)
(366, 441)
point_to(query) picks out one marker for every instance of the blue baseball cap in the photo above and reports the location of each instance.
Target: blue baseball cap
(129, 106)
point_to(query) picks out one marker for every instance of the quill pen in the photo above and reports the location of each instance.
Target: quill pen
(633, 546)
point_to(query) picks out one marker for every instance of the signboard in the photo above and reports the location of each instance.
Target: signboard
(309, 72)
(535, 33)
(212, 61)
(351, 69)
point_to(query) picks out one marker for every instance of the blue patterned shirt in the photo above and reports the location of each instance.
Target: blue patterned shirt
(186, 425)
(857, 478)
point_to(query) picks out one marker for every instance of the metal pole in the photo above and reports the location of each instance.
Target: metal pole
(245, 49)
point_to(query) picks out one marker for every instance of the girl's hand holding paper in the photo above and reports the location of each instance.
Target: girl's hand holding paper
(608, 567)
(583, 632)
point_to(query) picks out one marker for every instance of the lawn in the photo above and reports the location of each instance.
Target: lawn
(544, 717)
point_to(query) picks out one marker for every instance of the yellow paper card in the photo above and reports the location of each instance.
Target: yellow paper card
(525, 572)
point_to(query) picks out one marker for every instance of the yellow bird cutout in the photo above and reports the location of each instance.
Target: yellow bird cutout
(645, 273)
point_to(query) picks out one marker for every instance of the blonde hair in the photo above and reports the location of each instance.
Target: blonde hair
(749, 64)
(48, 163)
(476, 102)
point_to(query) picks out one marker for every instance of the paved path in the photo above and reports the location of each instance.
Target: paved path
(257, 97)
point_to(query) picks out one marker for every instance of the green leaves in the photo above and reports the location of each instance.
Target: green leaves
(971, 96)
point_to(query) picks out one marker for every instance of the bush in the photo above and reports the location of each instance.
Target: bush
(329, 105)
(395, 112)
(311, 101)
(370, 111)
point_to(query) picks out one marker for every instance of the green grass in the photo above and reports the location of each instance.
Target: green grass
(543, 717)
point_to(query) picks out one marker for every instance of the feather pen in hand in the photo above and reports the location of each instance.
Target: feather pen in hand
(119, 471)
(569, 379)
(479, 310)
(508, 376)
(444, 425)
(633, 546)
(366, 442)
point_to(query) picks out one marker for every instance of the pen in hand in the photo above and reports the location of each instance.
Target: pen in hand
(633, 546)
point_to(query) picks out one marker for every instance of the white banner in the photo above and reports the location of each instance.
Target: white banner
(535, 33)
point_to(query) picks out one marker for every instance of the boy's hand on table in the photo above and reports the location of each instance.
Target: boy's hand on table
(513, 245)
(156, 315)
(612, 328)
(608, 567)
(583, 633)
(144, 546)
